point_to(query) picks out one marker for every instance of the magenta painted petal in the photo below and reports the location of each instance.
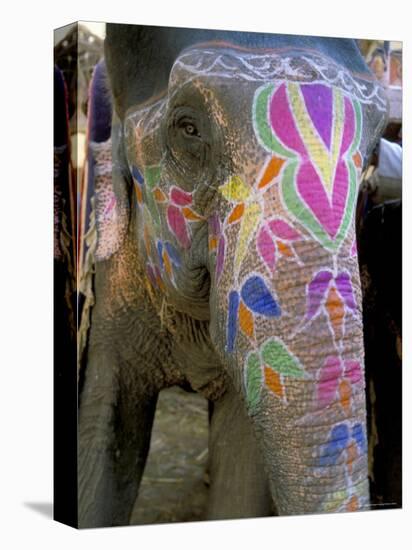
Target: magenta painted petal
(282, 121)
(325, 199)
(110, 206)
(328, 380)
(283, 230)
(349, 127)
(220, 257)
(177, 225)
(316, 291)
(318, 101)
(214, 225)
(354, 248)
(353, 371)
(340, 192)
(179, 197)
(266, 248)
(314, 195)
(344, 286)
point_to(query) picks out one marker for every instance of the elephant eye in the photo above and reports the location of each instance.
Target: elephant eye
(189, 129)
(189, 139)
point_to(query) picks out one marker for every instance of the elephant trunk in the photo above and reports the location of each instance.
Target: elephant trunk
(294, 347)
(304, 388)
(286, 298)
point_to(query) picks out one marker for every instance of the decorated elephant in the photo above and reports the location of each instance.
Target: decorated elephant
(226, 259)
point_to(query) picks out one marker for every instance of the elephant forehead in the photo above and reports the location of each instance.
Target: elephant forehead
(230, 76)
(264, 66)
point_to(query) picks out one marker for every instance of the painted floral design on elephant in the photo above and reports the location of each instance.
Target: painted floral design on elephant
(337, 381)
(162, 268)
(333, 296)
(254, 298)
(274, 237)
(346, 444)
(271, 366)
(162, 213)
(350, 499)
(177, 204)
(180, 214)
(315, 129)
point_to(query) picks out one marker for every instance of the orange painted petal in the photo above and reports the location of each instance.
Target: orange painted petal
(139, 194)
(146, 240)
(246, 322)
(167, 264)
(212, 243)
(284, 249)
(336, 311)
(160, 283)
(345, 393)
(190, 215)
(236, 213)
(274, 383)
(351, 454)
(353, 504)
(159, 196)
(357, 159)
(272, 170)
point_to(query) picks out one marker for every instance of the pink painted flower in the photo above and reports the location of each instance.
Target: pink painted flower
(180, 197)
(322, 178)
(315, 129)
(110, 207)
(179, 215)
(247, 211)
(178, 225)
(317, 291)
(275, 238)
(354, 248)
(335, 381)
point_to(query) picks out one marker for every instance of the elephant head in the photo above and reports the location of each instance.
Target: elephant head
(239, 179)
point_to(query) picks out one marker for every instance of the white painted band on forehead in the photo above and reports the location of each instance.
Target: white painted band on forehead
(267, 67)
(252, 67)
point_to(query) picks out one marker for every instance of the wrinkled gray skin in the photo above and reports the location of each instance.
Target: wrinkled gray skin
(144, 339)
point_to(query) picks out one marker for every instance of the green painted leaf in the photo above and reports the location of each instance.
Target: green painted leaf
(358, 115)
(152, 175)
(262, 127)
(276, 356)
(335, 500)
(254, 380)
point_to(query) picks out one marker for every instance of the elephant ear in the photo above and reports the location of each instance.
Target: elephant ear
(110, 197)
(104, 203)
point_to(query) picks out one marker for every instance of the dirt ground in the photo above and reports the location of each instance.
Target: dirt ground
(173, 488)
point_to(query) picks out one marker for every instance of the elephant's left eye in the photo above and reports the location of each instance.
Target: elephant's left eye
(188, 140)
(189, 129)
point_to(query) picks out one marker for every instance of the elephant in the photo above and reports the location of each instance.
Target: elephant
(226, 260)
